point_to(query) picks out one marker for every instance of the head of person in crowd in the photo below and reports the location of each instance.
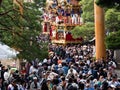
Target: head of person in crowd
(30, 63)
(6, 70)
(14, 82)
(105, 85)
(114, 77)
(35, 79)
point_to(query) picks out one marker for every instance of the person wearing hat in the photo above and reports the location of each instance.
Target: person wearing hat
(35, 84)
(49, 84)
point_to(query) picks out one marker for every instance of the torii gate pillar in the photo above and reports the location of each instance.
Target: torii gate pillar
(99, 32)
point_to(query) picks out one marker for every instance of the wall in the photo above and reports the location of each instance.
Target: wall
(11, 62)
(117, 57)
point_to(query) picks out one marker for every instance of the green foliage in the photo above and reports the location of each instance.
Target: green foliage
(113, 40)
(109, 3)
(88, 10)
(20, 31)
(113, 25)
(86, 31)
(112, 19)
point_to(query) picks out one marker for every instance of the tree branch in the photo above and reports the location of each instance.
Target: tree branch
(14, 21)
(1, 14)
(6, 26)
(19, 3)
(2, 29)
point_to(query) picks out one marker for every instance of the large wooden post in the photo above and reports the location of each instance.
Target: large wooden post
(99, 32)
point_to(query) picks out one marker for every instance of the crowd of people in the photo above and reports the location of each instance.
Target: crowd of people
(42, 38)
(70, 67)
(61, 12)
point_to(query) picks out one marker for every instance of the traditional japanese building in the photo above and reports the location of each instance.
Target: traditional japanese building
(60, 17)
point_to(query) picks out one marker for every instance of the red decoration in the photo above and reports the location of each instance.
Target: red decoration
(51, 32)
(70, 38)
(45, 27)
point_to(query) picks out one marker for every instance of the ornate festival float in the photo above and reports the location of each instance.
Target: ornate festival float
(60, 17)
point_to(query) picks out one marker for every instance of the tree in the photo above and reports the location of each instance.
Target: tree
(109, 3)
(112, 22)
(113, 40)
(20, 31)
(87, 30)
(88, 10)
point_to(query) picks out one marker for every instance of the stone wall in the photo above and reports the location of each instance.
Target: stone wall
(117, 57)
(10, 62)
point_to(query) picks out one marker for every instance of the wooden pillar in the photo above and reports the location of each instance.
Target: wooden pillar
(99, 32)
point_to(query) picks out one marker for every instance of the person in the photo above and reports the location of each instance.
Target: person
(71, 85)
(63, 82)
(88, 86)
(60, 70)
(114, 82)
(1, 85)
(6, 78)
(35, 84)
(56, 85)
(44, 85)
(13, 85)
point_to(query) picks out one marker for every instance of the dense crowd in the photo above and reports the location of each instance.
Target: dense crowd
(70, 67)
(60, 11)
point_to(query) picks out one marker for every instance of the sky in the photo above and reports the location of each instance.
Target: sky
(7, 52)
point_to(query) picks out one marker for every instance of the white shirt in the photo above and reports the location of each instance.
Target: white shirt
(10, 86)
(111, 83)
(74, 71)
(6, 75)
(32, 85)
(52, 75)
(32, 69)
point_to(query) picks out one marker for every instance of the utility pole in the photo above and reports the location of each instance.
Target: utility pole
(99, 32)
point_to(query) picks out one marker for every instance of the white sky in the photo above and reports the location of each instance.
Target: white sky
(6, 52)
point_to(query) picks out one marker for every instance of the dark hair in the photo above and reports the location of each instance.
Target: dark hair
(63, 78)
(105, 86)
(6, 70)
(55, 81)
(70, 80)
(15, 87)
(44, 85)
(81, 85)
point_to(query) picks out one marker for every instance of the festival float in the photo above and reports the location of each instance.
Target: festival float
(59, 18)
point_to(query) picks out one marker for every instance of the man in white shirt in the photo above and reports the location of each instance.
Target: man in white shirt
(6, 75)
